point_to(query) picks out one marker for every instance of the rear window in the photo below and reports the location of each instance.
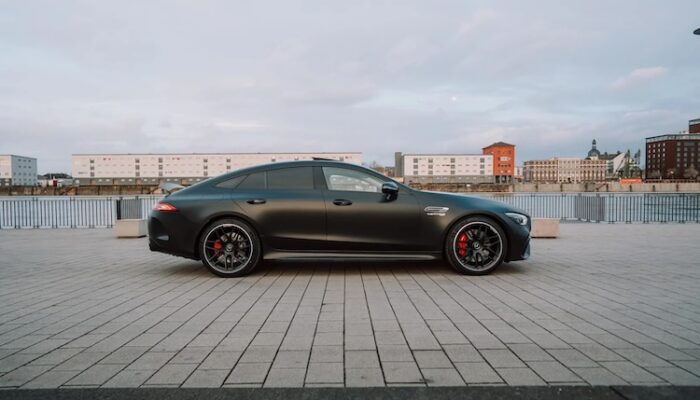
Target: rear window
(299, 178)
(254, 181)
(231, 183)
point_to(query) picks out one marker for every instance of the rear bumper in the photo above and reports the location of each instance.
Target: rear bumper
(165, 235)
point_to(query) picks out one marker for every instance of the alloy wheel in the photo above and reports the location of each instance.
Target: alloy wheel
(478, 246)
(227, 248)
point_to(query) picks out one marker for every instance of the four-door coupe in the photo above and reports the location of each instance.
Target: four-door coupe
(330, 209)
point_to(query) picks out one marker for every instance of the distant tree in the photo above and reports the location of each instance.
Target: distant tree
(655, 174)
(635, 172)
(690, 172)
(671, 173)
(377, 167)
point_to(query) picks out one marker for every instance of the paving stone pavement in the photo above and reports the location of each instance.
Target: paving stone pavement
(602, 305)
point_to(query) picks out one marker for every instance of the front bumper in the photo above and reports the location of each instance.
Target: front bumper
(519, 242)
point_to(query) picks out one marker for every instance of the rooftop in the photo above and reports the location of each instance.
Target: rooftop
(500, 144)
(204, 154)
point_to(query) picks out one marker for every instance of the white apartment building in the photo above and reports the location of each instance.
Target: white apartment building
(430, 168)
(565, 170)
(17, 170)
(153, 168)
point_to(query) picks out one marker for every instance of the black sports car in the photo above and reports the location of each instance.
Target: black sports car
(330, 209)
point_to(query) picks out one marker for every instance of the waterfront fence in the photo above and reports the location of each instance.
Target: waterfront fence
(102, 212)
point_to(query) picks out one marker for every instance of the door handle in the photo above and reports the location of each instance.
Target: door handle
(256, 201)
(342, 202)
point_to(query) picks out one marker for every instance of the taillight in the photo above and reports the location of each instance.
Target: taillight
(164, 207)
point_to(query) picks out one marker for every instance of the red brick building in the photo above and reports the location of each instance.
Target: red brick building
(694, 126)
(674, 156)
(503, 161)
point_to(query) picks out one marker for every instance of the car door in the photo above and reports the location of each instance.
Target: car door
(362, 219)
(286, 208)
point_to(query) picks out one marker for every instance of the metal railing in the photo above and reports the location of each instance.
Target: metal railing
(71, 211)
(607, 207)
(102, 212)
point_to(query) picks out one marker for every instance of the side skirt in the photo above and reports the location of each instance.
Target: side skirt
(293, 255)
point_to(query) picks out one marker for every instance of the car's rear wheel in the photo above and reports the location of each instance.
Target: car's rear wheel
(229, 248)
(476, 245)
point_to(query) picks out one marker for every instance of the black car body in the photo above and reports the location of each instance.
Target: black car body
(328, 209)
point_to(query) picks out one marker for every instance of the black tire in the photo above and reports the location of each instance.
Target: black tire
(485, 241)
(229, 242)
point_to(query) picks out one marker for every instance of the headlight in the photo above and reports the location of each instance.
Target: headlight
(518, 218)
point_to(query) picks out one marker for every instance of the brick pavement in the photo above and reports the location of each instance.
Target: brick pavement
(602, 305)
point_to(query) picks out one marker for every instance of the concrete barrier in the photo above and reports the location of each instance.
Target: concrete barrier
(131, 228)
(545, 228)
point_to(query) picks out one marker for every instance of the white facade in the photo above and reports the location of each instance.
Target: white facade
(445, 168)
(17, 170)
(200, 165)
(565, 170)
(447, 165)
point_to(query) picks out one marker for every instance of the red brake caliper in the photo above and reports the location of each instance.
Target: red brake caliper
(217, 247)
(462, 241)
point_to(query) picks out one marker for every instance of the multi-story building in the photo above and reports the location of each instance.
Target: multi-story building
(694, 126)
(447, 168)
(503, 161)
(564, 170)
(619, 165)
(674, 156)
(17, 170)
(134, 169)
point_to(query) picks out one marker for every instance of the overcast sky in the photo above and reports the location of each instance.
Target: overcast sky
(370, 76)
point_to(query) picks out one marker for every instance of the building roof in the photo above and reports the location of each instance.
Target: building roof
(678, 136)
(609, 156)
(16, 155)
(445, 154)
(499, 144)
(218, 153)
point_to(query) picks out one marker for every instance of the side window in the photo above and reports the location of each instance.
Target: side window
(231, 183)
(297, 178)
(345, 179)
(254, 181)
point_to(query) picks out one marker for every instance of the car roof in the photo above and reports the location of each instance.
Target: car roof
(286, 164)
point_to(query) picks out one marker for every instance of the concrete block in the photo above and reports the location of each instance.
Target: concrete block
(545, 228)
(131, 228)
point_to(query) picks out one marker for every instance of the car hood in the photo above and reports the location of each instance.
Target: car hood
(474, 202)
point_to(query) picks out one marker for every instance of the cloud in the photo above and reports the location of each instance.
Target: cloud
(238, 125)
(341, 76)
(481, 18)
(638, 76)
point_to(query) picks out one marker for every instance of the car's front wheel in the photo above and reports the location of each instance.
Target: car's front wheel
(229, 248)
(475, 245)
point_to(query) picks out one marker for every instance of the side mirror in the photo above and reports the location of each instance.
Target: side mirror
(390, 190)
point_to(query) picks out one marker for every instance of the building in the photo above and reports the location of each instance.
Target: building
(674, 156)
(694, 126)
(564, 170)
(17, 170)
(151, 169)
(619, 165)
(503, 161)
(519, 173)
(444, 168)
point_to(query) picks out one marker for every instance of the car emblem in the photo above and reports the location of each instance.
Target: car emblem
(436, 211)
